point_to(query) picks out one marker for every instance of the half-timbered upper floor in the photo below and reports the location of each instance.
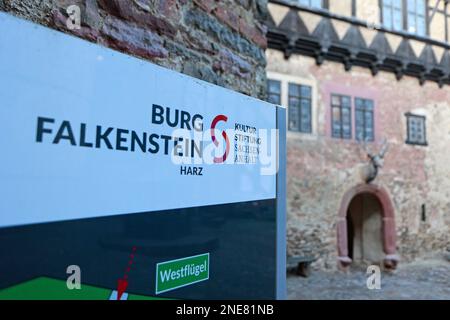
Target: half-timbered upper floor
(406, 37)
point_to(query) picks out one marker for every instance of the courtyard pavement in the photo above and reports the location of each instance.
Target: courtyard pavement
(422, 280)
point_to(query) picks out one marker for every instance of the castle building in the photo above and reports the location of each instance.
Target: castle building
(366, 86)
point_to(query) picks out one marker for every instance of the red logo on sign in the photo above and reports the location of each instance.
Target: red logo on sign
(224, 135)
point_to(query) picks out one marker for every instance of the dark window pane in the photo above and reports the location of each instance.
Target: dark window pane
(364, 119)
(300, 118)
(274, 91)
(346, 115)
(368, 117)
(336, 132)
(337, 115)
(306, 115)
(336, 122)
(294, 90)
(416, 129)
(274, 98)
(369, 132)
(359, 134)
(346, 101)
(306, 92)
(341, 124)
(359, 104)
(294, 116)
(359, 115)
(347, 123)
(274, 86)
(294, 102)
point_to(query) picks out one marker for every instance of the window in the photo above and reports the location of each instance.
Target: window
(416, 129)
(393, 14)
(311, 3)
(299, 108)
(296, 94)
(416, 17)
(364, 119)
(274, 91)
(341, 122)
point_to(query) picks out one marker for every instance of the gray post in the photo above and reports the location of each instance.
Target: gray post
(281, 205)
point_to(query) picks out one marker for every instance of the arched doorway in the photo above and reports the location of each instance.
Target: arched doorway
(366, 227)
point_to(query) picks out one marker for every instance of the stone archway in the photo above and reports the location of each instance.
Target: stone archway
(388, 224)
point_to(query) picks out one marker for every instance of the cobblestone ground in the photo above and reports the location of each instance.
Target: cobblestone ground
(420, 280)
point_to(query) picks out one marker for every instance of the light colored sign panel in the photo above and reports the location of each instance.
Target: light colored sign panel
(87, 131)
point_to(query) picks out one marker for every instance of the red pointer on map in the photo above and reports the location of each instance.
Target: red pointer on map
(122, 284)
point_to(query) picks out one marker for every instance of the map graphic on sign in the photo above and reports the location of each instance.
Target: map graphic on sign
(44, 288)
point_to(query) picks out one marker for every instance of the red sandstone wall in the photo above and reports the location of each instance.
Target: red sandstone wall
(217, 41)
(321, 169)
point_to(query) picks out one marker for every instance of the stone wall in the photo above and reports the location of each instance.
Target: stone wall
(322, 169)
(217, 41)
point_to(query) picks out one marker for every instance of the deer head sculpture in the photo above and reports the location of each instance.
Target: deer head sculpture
(376, 160)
